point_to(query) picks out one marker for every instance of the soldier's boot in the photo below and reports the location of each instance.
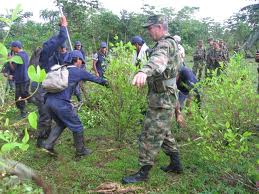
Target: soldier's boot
(141, 175)
(175, 164)
(48, 144)
(81, 150)
(42, 135)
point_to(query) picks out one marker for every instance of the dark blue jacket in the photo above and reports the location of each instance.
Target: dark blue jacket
(21, 70)
(186, 80)
(99, 64)
(49, 55)
(75, 75)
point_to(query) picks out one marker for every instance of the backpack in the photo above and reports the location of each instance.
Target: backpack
(56, 79)
(257, 56)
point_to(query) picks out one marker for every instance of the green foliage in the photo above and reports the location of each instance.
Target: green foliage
(121, 104)
(10, 141)
(36, 74)
(228, 112)
(33, 118)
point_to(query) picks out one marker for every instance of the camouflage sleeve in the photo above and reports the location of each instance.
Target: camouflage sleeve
(158, 59)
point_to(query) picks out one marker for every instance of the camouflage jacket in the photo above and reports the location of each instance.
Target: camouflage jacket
(163, 64)
(199, 54)
(215, 56)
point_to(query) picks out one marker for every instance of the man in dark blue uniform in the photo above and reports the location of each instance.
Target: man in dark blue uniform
(185, 83)
(21, 78)
(78, 46)
(99, 64)
(61, 109)
(49, 56)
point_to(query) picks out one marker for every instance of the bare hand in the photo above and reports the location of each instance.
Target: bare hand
(140, 79)
(63, 21)
(180, 120)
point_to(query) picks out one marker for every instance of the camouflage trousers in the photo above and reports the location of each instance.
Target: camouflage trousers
(198, 68)
(156, 134)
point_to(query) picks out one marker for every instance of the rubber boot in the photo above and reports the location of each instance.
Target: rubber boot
(42, 135)
(175, 164)
(48, 144)
(141, 175)
(81, 150)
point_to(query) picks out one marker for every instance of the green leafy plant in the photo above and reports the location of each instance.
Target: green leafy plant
(121, 104)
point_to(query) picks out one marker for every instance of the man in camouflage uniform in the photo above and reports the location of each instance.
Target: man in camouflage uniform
(225, 51)
(215, 59)
(198, 60)
(160, 74)
(208, 50)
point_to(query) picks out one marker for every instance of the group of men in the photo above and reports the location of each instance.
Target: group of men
(161, 70)
(216, 56)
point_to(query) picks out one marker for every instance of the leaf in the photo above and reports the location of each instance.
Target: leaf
(247, 134)
(32, 73)
(16, 11)
(16, 59)
(26, 137)
(6, 124)
(9, 146)
(7, 21)
(42, 75)
(33, 118)
(3, 51)
(227, 125)
(24, 147)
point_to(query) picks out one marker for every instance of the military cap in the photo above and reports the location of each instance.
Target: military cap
(63, 45)
(155, 19)
(16, 44)
(210, 39)
(137, 40)
(78, 43)
(74, 54)
(103, 45)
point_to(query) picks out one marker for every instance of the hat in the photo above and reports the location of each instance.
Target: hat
(16, 44)
(155, 19)
(75, 54)
(137, 39)
(78, 43)
(177, 38)
(63, 45)
(103, 45)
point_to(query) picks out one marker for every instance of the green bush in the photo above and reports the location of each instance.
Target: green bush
(120, 105)
(228, 112)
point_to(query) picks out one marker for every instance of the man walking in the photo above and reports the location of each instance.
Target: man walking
(160, 75)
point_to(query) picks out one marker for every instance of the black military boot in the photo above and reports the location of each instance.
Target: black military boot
(81, 150)
(48, 144)
(141, 175)
(175, 164)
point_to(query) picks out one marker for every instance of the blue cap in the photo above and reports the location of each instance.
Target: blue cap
(16, 44)
(77, 43)
(103, 45)
(75, 54)
(64, 45)
(137, 40)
